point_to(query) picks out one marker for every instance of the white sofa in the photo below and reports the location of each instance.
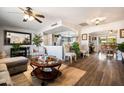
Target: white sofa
(10, 66)
(5, 76)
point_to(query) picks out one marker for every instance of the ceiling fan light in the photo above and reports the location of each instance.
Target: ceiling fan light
(31, 18)
(26, 17)
(25, 20)
(97, 22)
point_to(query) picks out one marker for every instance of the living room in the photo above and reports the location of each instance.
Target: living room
(44, 46)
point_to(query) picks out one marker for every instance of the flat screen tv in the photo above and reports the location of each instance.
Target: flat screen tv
(15, 37)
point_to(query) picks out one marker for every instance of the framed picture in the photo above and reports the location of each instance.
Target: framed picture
(12, 37)
(84, 36)
(121, 33)
(93, 38)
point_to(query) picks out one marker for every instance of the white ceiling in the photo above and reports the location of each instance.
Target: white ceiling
(57, 30)
(73, 15)
(104, 33)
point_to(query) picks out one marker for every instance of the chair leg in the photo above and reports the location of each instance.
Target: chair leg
(65, 58)
(71, 59)
(75, 58)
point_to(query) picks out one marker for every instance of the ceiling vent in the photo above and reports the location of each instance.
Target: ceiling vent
(55, 24)
(83, 24)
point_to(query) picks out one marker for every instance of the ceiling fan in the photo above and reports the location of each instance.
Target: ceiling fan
(31, 15)
(98, 20)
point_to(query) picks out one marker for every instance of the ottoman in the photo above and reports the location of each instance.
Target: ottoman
(15, 65)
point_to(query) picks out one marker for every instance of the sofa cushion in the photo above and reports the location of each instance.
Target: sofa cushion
(13, 59)
(5, 78)
(3, 67)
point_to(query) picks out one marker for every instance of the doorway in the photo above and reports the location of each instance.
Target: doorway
(102, 41)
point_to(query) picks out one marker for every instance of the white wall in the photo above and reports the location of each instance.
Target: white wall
(55, 51)
(84, 44)
(105, 27)
(7, 47)
(49, 27)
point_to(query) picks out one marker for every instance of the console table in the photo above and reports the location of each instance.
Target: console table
(22, 51)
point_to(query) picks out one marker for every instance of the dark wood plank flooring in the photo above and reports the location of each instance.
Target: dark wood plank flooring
(100, 71)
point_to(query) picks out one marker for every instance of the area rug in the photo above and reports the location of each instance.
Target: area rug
(70, 76)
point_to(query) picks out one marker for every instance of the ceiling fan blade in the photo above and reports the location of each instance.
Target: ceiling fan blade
(28, 8)
(30, 12)
(38, 15)
(15, 12)
(25, 12)
(21, 9)
(37, 19)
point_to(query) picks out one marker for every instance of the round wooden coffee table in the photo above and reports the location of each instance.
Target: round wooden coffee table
(46, 71)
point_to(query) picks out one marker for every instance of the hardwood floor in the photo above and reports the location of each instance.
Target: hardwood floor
(100, 71)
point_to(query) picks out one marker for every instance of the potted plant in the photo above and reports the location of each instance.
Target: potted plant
(121, 48)
(16, 47)
(37, 40)
(75, 47)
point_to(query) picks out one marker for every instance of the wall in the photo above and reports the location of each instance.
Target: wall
(105, 27)
(55, 51)
(7, 47)
(49, 27)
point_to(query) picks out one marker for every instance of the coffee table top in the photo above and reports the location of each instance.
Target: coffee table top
(51, 62)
